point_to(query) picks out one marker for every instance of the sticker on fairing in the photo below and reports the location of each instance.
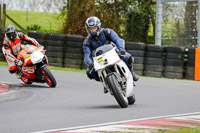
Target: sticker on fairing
(29, 57)
(100, 59)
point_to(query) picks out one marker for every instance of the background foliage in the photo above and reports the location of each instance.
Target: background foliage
(130, 19)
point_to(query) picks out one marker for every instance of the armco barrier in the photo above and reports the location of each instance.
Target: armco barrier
(150, 60)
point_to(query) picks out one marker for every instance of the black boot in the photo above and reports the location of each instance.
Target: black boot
(105, 90)
(135, 76)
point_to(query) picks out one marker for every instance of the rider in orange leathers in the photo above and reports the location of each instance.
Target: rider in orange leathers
(12, 46)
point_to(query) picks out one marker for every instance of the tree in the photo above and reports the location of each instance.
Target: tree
(78, 12)
(138, 21)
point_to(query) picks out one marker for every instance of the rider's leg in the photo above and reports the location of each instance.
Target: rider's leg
(13, 68)
(94, 75)
(129, 60)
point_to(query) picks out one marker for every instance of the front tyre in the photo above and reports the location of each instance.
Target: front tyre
(131, 100)
(48, 76)
(117, 91)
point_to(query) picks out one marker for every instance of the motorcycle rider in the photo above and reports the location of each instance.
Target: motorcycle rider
(97, 37)
(12, 46)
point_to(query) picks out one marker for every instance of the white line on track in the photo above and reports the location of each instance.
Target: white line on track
(113, 123)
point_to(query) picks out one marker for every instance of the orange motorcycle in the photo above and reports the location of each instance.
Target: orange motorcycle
(35, 67)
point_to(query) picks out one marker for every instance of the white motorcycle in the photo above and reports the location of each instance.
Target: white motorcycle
(114, 74)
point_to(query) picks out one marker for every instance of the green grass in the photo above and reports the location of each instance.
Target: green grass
(3, 63)
(52, 68)
(49, 22)
(66, 69)
(183, 130)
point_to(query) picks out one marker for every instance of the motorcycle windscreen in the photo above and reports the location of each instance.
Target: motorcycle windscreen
(106, 59)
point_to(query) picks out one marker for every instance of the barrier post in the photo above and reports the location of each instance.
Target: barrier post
(197, 64)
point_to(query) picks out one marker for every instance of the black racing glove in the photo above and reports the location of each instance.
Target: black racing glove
(122, 52)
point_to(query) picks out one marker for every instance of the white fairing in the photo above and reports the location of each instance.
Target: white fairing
(104, 60)
(37, 57)
(112, 58)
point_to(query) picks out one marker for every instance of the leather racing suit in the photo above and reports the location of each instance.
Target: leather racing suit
(12, 48)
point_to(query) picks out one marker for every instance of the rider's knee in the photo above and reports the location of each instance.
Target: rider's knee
(92, 75)
(131, 60)
(12, 69)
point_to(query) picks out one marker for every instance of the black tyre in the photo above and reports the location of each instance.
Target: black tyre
(172, 62)
(176, 56)
(157, 68)
(174, 49)
(72, 66)
(153, 74)
(49, 78)
(55, 36)
(153, 61)
(138, 66)
(131, 100)
(154, 54)
(173, 75)
(136, 53)
(74, 44)
(174, 69)
(116, 90)
(74, 38)
(36, 35)
(154, 48)
(135, 46)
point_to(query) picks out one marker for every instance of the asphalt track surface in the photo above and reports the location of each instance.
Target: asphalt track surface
(78, 101)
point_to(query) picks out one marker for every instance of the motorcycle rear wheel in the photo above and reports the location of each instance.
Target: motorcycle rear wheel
(48, 76)
(116, 90)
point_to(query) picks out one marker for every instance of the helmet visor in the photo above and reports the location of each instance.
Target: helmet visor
(11, 35)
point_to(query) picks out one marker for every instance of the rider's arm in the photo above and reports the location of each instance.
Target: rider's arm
(87, 52)
(120, 43)
(28, 39)
(8, 52)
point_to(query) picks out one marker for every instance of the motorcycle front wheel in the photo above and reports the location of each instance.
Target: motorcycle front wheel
(116, 90)
(131, 100)
(48, 76)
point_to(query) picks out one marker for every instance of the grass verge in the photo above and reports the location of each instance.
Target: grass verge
(49, 22)
(2, 63)
(183, 130)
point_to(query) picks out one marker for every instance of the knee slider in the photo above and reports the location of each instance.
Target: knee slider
(131, 60)
(12, 69)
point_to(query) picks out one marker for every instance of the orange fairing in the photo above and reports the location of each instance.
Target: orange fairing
(26, 50)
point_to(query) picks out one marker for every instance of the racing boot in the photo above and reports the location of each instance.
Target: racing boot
(24, 79)
(105, 90)
(18, 74)
(135, 76)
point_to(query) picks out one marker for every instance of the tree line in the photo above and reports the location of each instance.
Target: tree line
(129, 18)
